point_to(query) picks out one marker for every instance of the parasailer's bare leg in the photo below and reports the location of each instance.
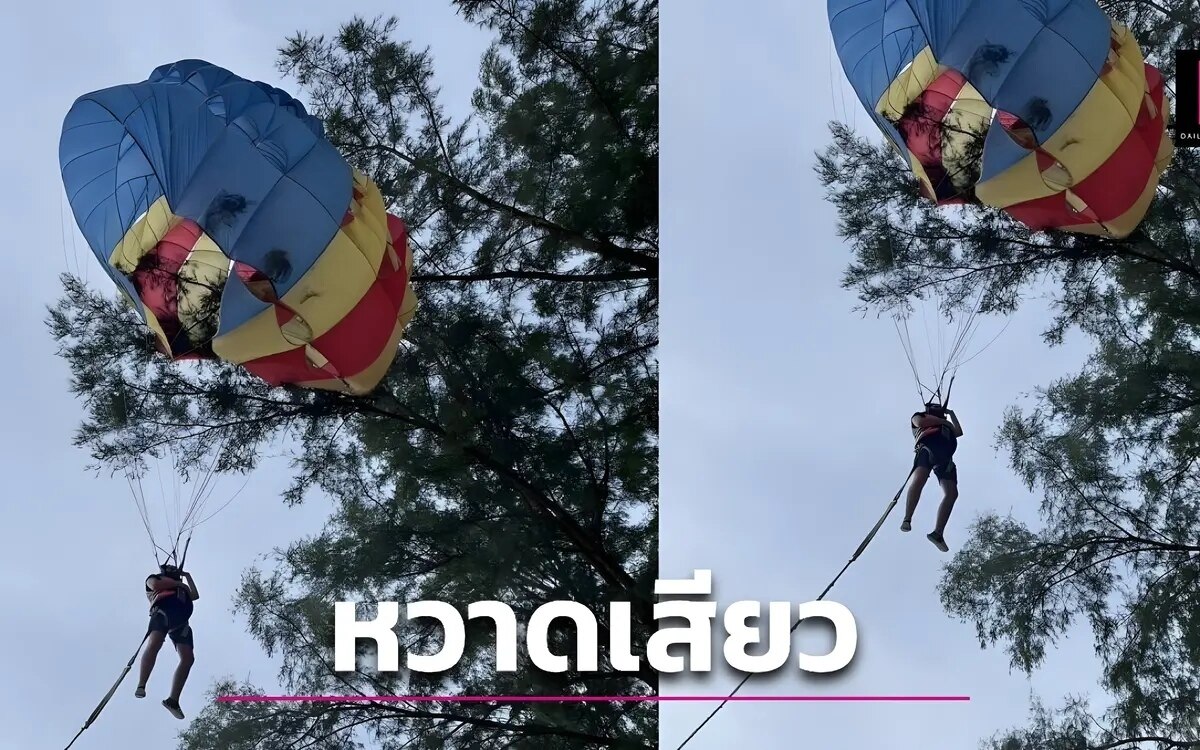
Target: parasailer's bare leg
(950, 488)
(184, 645)
(920, 476)
(950, 494)
(186, 659)
(154, 642)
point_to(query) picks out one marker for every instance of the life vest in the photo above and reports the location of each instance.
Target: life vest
(925, 425)
(154, 597)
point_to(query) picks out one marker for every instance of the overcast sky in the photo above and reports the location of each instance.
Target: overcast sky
(783, 414)
(67, 643)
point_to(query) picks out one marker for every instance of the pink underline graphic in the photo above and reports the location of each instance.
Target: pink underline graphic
(591, 698)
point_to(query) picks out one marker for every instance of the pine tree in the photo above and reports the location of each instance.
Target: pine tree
(511, 453)
(1112, 450)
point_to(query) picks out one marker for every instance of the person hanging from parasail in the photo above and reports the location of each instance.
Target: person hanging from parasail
(936, 440)
(171, 593)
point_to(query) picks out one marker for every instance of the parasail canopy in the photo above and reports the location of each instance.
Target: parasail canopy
(236, 229)
(1025, 107)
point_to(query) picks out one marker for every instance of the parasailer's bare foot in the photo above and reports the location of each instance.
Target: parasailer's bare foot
(937, 540)
(140, 692)
(172, 705)
(906, 525)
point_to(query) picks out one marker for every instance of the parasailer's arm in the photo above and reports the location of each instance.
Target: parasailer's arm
(191, 585)
(953, 422)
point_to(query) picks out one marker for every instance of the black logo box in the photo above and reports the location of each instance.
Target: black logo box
(1187, 98)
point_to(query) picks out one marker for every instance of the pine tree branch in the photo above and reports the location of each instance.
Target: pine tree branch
(1164, 743)
(561, 54)
(1141, 246)
(609, 569)
(529, 729)
(534, 275)
(604, 248)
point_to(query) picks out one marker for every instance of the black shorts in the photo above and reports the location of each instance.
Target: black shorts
(171, 616)
(937, 452)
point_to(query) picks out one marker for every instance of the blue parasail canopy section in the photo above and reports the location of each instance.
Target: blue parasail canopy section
(242, 159)
(1036, 59)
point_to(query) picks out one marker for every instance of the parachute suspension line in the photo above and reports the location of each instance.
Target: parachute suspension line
(62, 226)
(905, 337)
(991, 341)
(167, 507)
(186, 521)
(946, 401)
(857, 553)
(966, 328)
(181, 516)
(139, 500)
(194, 516)
(137, 491)
(933, 350)
(111, 692)
(70, 260)
(179, 561)
(948, 346)
(222, 507)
